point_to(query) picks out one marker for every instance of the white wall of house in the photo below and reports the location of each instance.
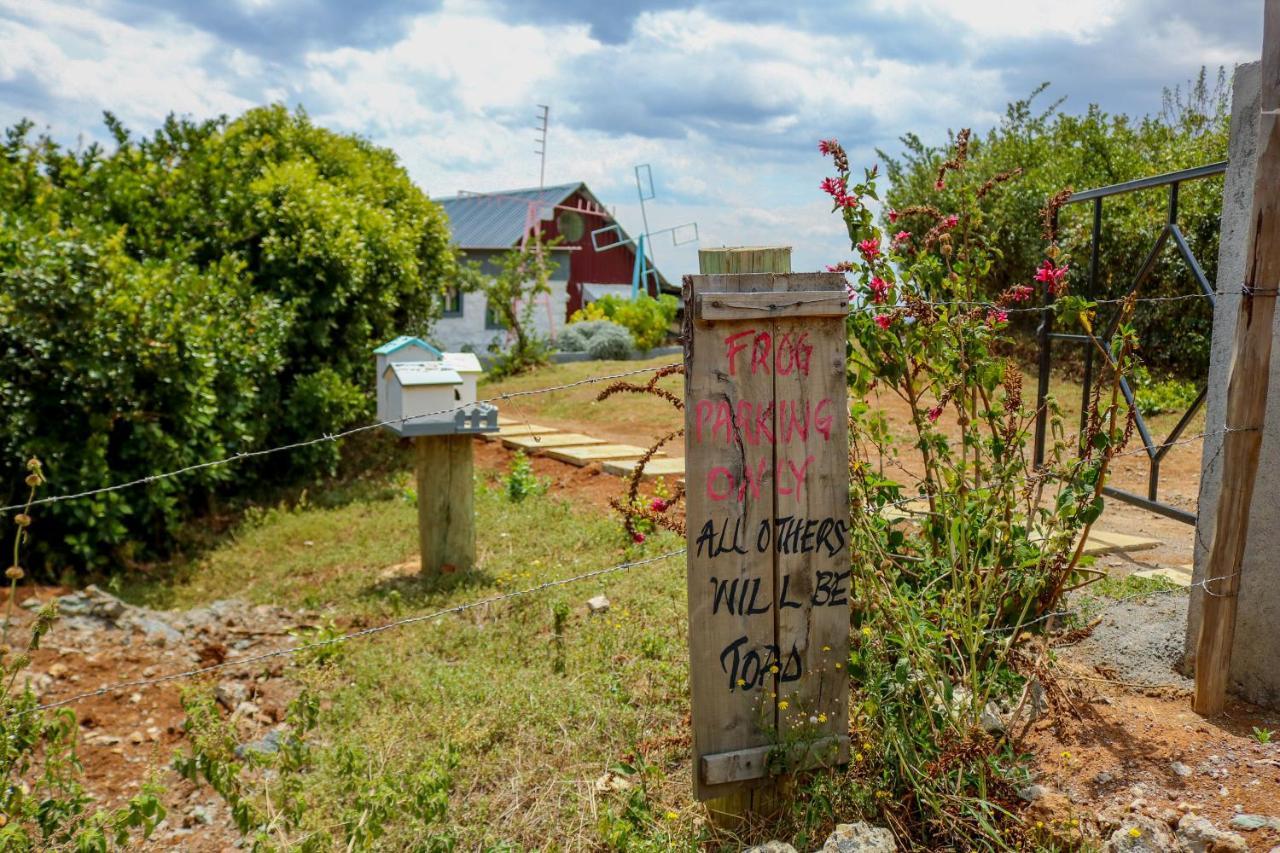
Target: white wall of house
(467, 332)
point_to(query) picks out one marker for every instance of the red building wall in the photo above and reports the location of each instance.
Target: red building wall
(586, 265)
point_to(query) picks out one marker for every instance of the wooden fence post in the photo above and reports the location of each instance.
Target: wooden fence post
(1246, 391)
(446, 503)
(766, 449)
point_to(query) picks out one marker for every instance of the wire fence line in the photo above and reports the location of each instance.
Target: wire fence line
(344, 638)
(251, 454)
(510, 395)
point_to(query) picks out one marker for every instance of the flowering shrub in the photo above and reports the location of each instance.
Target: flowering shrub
(960, 544)
(646, 318)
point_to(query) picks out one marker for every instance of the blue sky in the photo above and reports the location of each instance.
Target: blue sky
(725, 99)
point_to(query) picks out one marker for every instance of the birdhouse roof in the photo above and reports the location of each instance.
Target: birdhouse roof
(463, 362)
(418, 373)
(402, 342)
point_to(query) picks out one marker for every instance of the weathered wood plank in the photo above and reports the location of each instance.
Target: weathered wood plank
(747, 764)
(813, 567)
(1246, 391)
(755, 306)
(729, 468)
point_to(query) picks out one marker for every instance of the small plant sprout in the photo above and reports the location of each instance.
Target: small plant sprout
(520, 481)
(1262, 736)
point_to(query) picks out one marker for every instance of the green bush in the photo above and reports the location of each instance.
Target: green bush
(209, 290)
(647, 319)
(1057, 150)
(601, 339)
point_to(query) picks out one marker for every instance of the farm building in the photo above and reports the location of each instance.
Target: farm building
(484, 225)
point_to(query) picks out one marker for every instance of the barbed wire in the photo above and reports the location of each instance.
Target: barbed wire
(354, 635)
(251, 454)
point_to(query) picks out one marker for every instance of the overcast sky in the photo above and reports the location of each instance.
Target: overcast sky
(725, 99)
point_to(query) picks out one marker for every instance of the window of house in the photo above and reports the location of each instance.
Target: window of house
(453, 302)
(491, 318)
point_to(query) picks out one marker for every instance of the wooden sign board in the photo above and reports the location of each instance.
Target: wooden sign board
(767, 468)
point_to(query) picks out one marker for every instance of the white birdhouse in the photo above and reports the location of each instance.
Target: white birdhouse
(422, 391)
(402, 349)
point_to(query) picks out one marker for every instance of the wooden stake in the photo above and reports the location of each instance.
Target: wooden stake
(446, 503)
(1246, 392)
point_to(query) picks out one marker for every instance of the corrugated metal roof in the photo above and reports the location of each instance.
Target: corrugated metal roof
(486, 222)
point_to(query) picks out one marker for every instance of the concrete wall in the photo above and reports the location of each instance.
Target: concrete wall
(467, 333)
(1255, 662)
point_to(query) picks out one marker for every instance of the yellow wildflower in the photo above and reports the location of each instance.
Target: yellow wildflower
(822, 718)
(866, 632)
(672, 815)
(783, 705)
(1134, 832)
(742, 682)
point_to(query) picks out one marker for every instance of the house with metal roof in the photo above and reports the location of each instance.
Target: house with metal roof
(484, 225)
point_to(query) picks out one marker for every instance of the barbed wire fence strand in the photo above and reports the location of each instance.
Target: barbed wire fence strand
(249, 660)
(251, 454)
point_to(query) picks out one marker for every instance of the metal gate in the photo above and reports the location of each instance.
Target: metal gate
(1155, 450)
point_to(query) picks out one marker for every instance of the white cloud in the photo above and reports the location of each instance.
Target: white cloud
(1079, 20)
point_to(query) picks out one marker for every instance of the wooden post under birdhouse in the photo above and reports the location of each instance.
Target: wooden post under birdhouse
(767, 467)
(446, 503)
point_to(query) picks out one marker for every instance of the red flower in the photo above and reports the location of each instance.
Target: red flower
(951, 221)
(883, 320)
(995, 316)
(843, 266)
(637, 537)
(1052, 275)
(893, 216)
(826, 146)
(934, 414)
(834, 187)
(879, 289)
(847, 201)
(1018, 293)
(902, 237)
(658, 505)
(870, 249)
(938, 184)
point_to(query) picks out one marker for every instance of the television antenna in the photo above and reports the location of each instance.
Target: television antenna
(646, 264)
(541, 150)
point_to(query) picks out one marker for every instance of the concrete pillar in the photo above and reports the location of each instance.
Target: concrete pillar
(1255, 673)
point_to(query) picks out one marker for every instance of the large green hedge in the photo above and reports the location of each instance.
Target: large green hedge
(211, 289)
(1057, 150)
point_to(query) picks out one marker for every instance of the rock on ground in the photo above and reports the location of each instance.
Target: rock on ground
(771, 847)
(1142, 834)
(1198, 835)
(860, 837)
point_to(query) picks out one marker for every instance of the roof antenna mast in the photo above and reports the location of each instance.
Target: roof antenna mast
(541, 150)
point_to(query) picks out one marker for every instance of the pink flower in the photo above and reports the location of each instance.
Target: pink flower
(834, 187)
(951, 221)
(826, 146)
(658, 505)
(902, 237)
(883, 320)
(870, 249)
(938, 184)
(934, 414)
(996, 316)
(637, 537)
(893, 216)
(1052, 275)
(843, 266)
(1020, 293)
(879, 289)
(847, 201)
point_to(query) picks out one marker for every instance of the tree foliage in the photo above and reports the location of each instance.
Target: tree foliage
(1056, 150)
(194, 294)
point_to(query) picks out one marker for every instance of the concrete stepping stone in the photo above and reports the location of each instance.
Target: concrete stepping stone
(655, 468)
(595, 453)
(1110, 542)
(1180, 575)
(517, 429)
(535, 443)
(503, 420)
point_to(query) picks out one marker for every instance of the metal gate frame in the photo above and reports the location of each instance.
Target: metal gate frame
(1155, 451)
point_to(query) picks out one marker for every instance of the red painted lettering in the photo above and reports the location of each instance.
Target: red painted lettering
(732, 348)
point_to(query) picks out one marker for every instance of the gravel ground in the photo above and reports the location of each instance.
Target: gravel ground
(1139, 641)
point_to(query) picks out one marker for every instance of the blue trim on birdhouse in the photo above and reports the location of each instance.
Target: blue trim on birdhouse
(402, 342)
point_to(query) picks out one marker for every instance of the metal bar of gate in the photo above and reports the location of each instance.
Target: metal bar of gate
(1045, 335)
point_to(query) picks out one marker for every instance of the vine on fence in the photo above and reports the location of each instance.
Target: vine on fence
(638, 517)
